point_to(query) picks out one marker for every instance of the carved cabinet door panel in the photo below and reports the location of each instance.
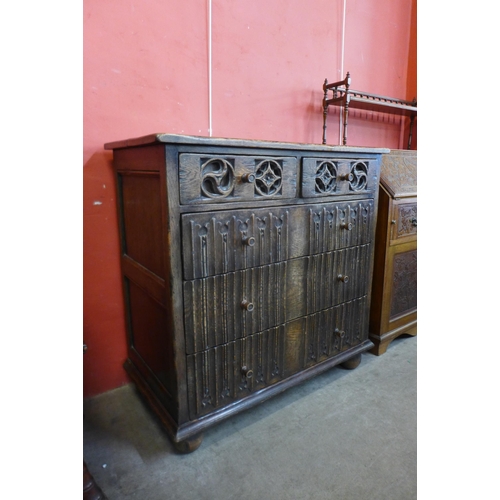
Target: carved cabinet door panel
(400, 292)
(404, 283)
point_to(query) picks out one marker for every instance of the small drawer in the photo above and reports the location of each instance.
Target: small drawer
(231, 178)
(404, 221)
(337, 176)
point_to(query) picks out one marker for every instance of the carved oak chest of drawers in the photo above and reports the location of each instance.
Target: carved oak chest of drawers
(246, 268)
(394, 305)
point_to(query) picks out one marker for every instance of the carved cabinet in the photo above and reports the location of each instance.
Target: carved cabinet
(247, 268)
(394, 305)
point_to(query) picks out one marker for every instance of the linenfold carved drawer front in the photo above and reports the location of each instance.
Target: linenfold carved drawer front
(334, 330)
(337, 176)
(222, 308)
(224, 374)
(222, 178)
(339, 225)
(227, 241)
(249, 269)
(336, 277)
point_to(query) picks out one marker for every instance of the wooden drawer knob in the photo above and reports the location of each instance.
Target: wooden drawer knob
(339, 333)
(248, 178)
(248, 241)
(347, 226)
(246, 372)
(347, 177)
(343, 278)
(246, 305)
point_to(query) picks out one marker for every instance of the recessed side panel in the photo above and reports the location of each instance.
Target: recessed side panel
(142, 221)
(150, 338)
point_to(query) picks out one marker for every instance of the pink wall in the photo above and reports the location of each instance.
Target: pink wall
(146, 70)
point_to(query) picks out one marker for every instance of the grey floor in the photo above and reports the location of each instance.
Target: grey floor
(342, 435)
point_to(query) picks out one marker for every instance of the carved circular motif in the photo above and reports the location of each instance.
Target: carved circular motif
(268, 178)
(326, 177)
(359, 170)
(217, 178)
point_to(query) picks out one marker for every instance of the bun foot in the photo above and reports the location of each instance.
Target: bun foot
(189, 445)
(352, 363)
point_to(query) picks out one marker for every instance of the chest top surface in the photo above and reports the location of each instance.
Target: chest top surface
(177, 139)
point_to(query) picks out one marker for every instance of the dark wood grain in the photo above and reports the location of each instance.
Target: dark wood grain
(217, 243)
(240, 278)
(141, 211)
(225, 307)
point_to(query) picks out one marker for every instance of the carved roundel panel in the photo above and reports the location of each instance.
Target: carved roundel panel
(326, 177)
(217, 178)
(359, 171)
(268, 178)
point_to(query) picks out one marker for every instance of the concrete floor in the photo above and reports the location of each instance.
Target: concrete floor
(344, 435)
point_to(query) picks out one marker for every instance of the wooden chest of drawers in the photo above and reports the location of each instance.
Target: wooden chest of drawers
(394, 306)
(246, 266)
